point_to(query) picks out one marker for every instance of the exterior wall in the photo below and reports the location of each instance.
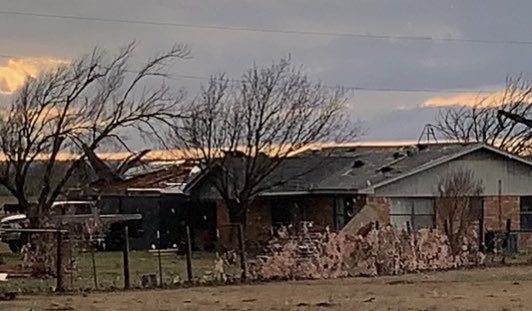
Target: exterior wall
(525, 242)
(509, 205)
(375, 209)
(227, 238)
(382, 206)
(378, 209)
(259, 221)
(222, 214)
(486, 166)
(321, 211)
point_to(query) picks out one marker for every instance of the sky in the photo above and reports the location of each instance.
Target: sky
(461, 71)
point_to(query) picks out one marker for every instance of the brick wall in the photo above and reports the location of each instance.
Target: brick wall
(525, 242)
(222, 213)
(381, 206)
(320, 210)
(227, 236)
(375, 209)
(259, 221)
(509, 206)
(258, 224)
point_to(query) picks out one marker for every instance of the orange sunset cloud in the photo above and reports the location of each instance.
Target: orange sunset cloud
(491, 99)
(14, 72)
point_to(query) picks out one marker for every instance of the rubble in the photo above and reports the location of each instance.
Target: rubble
(372, 252)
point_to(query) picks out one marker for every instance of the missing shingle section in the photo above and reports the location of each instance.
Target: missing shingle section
(385, 169)
(398, 155)
(358, 163)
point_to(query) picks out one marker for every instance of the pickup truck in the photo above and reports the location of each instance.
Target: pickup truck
(63, 213)
(13, 239)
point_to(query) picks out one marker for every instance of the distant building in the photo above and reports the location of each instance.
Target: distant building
(155, 191)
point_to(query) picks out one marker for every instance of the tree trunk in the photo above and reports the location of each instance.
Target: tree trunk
(237, 215)
(37, 215)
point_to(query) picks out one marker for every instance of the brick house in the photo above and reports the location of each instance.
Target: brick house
(351, 186)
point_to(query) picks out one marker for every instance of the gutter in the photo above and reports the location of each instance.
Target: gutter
(309, 192)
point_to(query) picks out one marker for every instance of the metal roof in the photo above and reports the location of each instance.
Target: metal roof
(163, 176)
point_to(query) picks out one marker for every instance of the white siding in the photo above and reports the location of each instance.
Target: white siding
(515, 177)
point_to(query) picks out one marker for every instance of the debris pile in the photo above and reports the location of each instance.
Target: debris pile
(371, 252)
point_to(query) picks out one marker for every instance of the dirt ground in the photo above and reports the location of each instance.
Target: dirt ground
(506, 288)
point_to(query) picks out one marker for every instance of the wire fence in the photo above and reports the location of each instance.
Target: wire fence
(78, 265)
(508, 247)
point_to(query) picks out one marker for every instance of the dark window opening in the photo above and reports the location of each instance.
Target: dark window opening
(344, 210)
(288, 212)
(475, 208)
(526, 212)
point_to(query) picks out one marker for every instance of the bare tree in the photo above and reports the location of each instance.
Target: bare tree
(243, 131)
(483, 123)
(79, 107)
(455, 206)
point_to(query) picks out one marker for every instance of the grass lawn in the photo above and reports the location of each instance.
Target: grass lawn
(491, 289)
(109, 270)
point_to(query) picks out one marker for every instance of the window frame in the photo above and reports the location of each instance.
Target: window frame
(525, 213)
(412, 215)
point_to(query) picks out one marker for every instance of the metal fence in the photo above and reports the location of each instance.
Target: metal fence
(80, 264)
(508, 246)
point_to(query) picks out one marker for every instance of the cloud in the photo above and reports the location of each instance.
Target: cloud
(491, 99)
(13, 74)
(341, 60)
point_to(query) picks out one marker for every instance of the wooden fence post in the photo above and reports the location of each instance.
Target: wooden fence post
(508, 230)
(94, 272)
(481, 233)
(241, 246)
(127, 283)
(160, 266)
(189, 255)
(59, 261)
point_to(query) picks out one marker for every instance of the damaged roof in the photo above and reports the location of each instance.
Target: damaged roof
(327, 170)
(155, 176)
(368, 166)
(356, 169)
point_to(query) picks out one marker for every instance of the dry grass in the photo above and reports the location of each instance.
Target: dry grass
(109, 270)
(506, 288)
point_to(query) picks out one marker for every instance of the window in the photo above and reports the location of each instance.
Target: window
(288, 212)
(418, 213)
(526, 213)
(476, 208)
(345, 209)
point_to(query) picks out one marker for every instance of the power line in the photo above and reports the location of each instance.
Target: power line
(178, 77)
(270, 30)
(363, 88)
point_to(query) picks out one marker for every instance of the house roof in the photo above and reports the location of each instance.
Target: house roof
(362, 169)
(157, 176)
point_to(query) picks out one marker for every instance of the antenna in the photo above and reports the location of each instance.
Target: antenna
(427, 133)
